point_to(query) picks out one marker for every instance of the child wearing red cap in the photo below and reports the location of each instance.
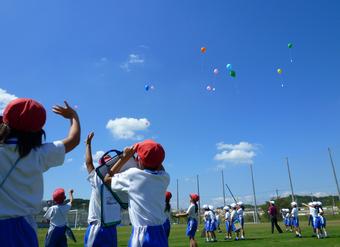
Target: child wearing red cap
(167, 211)
(104, 210)
(56, 215)
(23, 160)
(192, 214)
(145, 187)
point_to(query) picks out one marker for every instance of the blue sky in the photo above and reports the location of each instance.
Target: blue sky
(99, 55)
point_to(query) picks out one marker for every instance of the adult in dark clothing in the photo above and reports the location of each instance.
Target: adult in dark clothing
(272, 211)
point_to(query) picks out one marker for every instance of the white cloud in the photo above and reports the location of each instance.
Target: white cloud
(101, 62)
(5, 98)
(126, 128)
(242, 153)
(69, 160)
(133, 59)
(97, 156)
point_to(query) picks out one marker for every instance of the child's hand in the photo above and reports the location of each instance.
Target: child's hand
(67, 112)
(89, 138)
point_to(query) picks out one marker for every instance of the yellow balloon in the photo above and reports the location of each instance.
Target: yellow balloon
(279, 71)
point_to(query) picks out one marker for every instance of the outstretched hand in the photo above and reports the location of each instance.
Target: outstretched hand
(67, 111)
(89, 138)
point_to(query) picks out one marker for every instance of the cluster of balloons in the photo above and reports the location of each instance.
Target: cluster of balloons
(148, 87)
(279, 70)
(210, 88)
(232, 72)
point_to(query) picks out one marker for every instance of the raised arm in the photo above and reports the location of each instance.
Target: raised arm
(88, 153)
(73, 138)
(71, 196)
(127, 154)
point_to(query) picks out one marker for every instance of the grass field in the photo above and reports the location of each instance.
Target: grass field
(257, 235)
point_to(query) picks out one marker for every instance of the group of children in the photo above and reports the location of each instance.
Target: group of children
(24, 158)
(316, 219)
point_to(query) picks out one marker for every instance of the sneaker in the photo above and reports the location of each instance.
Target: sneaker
(236, 239)
(242, 238)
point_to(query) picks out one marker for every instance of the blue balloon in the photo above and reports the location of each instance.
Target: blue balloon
(146, 87)
(229, 67)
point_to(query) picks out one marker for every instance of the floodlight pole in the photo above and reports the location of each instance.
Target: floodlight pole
(198, 192)
(177, 200)
(290, 180)
(223, 188)
(334, 173)
(255, 204)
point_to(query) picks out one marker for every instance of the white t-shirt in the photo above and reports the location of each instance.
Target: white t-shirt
(206, 216)
(57, 214)
(294, 212)
(99, 193)
(212, 216)
(227, 215)
(313, 212)
(234, 215)
(22, 192)
(192, 211)
(240, 212)
(146, 191)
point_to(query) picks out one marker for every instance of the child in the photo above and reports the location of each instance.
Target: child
(322, 220)
(314, 210)
(286, 219)
(23, 160)
(310, 217)
(192, 214)
(295, 219)
(234, 221)
(167, 211)
(207, 222)
(227, 223)
(213, 224)
(104, 210)
(240, 212)
(57, 217)
(146, 187)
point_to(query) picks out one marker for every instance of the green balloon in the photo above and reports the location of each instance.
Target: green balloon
(232, 73)
(290, 45)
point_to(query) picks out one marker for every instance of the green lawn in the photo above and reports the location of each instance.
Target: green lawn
(257, 235)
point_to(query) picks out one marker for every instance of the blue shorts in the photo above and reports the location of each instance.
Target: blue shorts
(287, 222)
(191, 228)
(100, 236)
(55, 237)
(295, 222)
(17, 232)
(323, 221)
(207, 225)
(227, 226)
(316, 222)
(148, 236)
(167, 227)
(212, 226)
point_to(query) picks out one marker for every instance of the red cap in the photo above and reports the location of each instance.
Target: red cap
(59, 195)
(151, 154)
(195, 197)
(168, 196)
(25, 115)
(106, 159)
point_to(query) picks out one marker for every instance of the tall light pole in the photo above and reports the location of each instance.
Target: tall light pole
(255, 204)
(223, 188)
(334, 173)
(198, 192)
(177, 200)
(290, 180)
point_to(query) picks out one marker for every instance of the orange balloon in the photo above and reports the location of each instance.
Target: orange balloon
(203, 49)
